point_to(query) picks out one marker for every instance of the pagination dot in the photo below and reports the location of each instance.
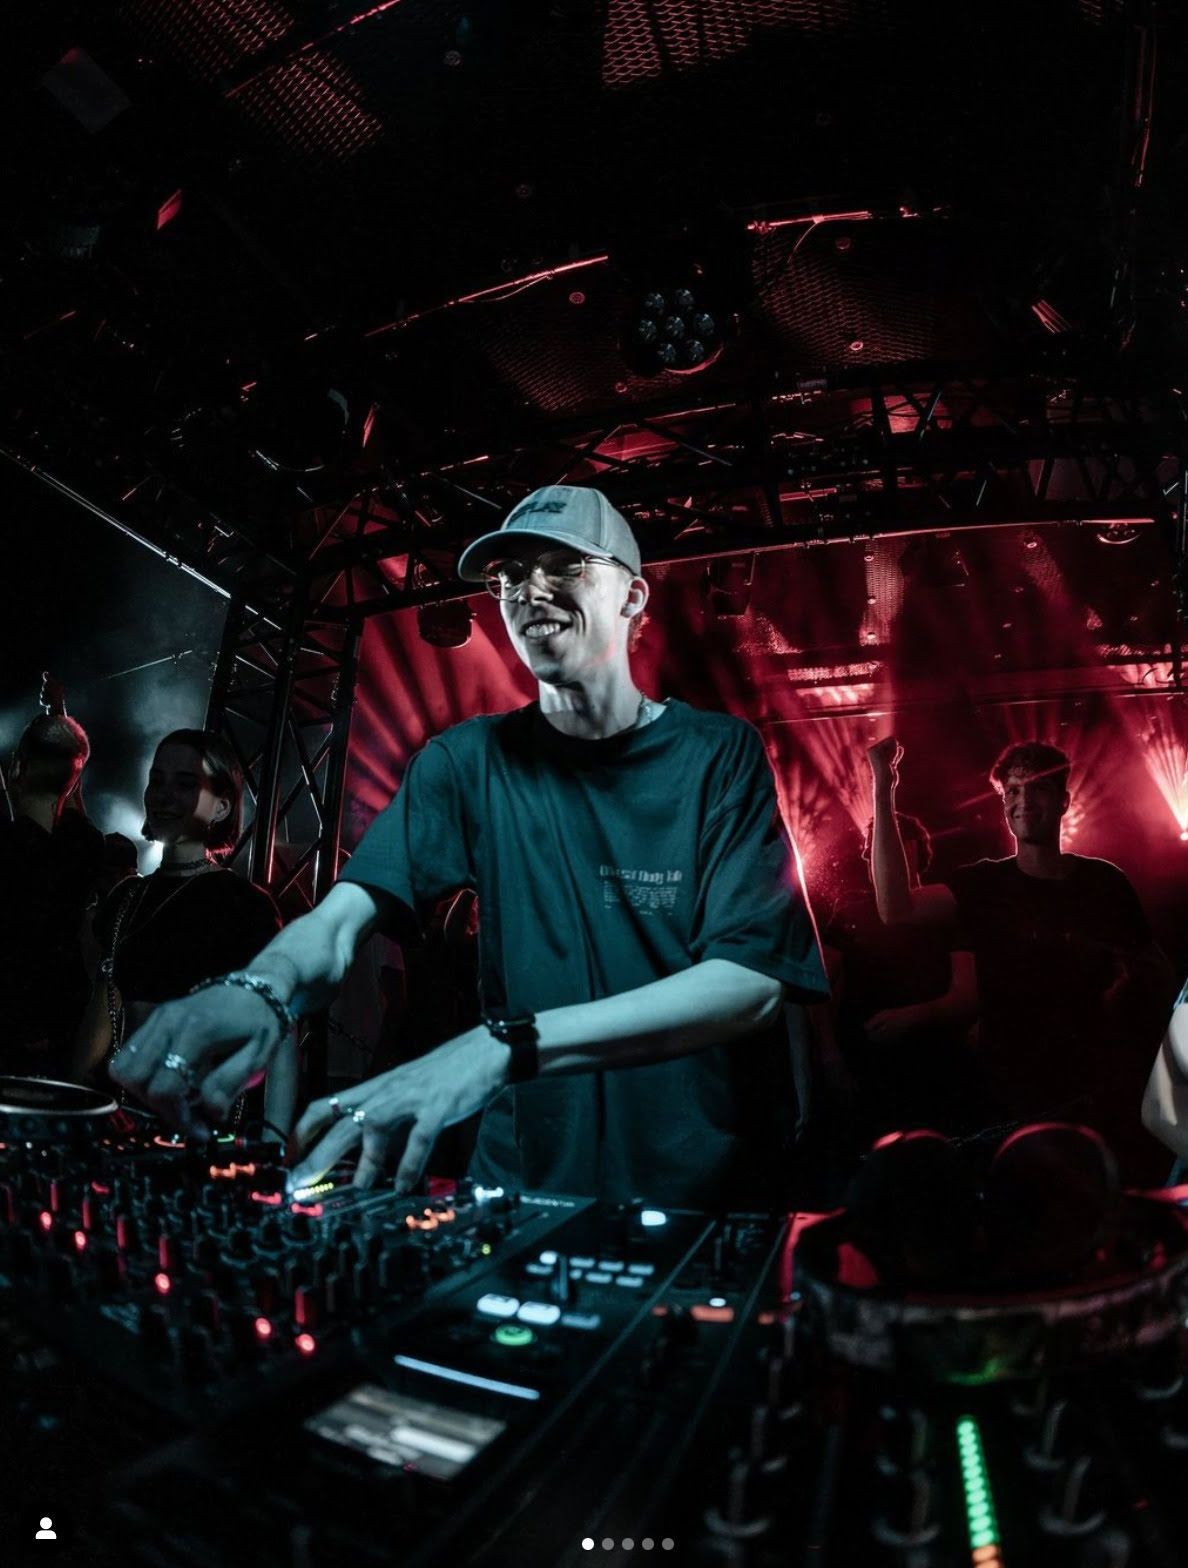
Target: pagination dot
(607, 1544)
(647, 1543)
(587, 1543)
(668, 1543)
(628, 1544)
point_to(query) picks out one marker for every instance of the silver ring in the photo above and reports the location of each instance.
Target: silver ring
(177, 1064)
(335, 1108)
(357, 1116)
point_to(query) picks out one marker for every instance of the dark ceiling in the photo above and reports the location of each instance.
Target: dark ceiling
(221, 209)
(321, 288)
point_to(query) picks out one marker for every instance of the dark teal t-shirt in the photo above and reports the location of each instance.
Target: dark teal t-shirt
(602, 865)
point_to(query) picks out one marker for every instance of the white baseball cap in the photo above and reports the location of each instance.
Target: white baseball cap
(573, 515)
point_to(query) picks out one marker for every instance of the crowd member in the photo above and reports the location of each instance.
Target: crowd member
(192, 919)
(642, 920)
(904, 1003)
(1072, 987)
(50, 860)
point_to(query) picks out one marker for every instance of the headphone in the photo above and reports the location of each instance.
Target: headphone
(1045, 1205)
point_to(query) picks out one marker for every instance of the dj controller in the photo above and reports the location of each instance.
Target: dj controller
(203, 1369)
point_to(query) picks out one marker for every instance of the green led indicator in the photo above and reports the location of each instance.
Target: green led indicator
(979, 1503)
(513, 1334)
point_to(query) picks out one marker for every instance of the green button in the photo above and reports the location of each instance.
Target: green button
(513, 1334)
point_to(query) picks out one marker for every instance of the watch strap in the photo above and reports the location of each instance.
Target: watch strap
(519, 1033)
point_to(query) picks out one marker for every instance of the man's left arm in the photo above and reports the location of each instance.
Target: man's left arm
(1165, 1103)
(709, 1003)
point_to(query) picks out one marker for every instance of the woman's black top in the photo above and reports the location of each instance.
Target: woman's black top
(176, 932)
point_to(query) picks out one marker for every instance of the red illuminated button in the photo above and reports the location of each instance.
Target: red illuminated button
(702, 1312)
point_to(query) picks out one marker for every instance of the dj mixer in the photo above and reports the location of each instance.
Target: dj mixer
(202, 1368)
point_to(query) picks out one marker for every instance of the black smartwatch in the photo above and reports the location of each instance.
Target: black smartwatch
(519, 1033)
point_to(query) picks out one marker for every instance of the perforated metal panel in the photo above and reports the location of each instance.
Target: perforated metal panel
(310, 102)
(211, 36)
(651, 38)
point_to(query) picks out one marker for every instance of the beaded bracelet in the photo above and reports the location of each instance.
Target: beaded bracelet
(285, 1015)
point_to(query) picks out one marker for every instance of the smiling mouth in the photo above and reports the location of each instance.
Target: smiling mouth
(537, 631)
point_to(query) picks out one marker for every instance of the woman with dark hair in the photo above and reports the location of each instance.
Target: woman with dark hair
(192, 918)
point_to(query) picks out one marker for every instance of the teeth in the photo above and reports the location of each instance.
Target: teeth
(542, 629)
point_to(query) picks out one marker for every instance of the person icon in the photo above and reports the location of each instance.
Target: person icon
(47, 1531)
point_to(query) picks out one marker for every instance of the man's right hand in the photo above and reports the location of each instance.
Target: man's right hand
(224, 1038)
(884, 758)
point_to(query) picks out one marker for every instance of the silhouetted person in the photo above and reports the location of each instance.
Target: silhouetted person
(904, 1003)
(50, 857)
(1073, 988)
(193, 918)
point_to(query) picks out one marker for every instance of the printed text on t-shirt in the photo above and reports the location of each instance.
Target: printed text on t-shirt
(643, 890)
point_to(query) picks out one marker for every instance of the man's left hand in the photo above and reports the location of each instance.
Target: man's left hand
(423, 1097)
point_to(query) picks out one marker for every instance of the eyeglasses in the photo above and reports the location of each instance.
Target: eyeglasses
(559, 569)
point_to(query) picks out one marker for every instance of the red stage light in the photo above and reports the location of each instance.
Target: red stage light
(163, 1283)
(169, 209)
(306, 1344)
(263, 1329)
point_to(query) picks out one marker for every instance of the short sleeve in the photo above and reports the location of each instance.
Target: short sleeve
(1134, 929)
(751, 906)
(963, 883)
(418, 848)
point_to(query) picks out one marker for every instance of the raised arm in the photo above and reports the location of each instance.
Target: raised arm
(196, 1054)
(898, 903)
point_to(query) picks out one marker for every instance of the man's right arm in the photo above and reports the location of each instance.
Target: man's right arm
(307, 960)
(898, 903)
(225, 1036)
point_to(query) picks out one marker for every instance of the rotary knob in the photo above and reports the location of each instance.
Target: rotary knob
(1060, 1437)
(240, 1243)
(905, 1439)
(741, 1516)
(1075, 1509)
(907, 1518)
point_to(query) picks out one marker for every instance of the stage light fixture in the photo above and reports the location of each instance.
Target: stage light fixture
(298, 428)
(446, 625)
(728, 583)
(676, 326)
(684, 291)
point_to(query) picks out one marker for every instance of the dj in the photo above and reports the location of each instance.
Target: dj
(642, 921)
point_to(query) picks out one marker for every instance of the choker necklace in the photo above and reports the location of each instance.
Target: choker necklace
(184, 865)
